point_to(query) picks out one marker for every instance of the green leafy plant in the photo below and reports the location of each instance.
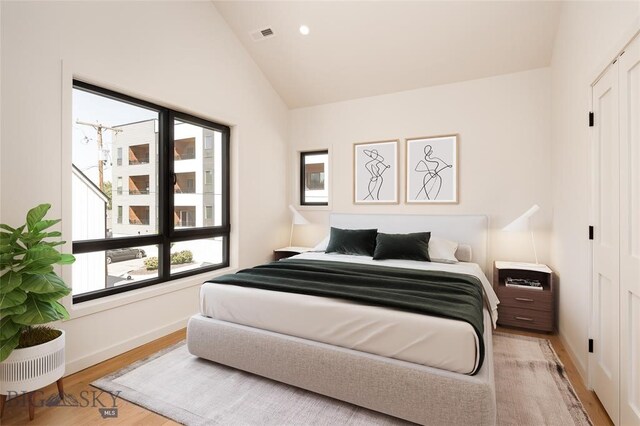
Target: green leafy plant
(184, 256)
(29, 287)
(151, 263)
(178, 258)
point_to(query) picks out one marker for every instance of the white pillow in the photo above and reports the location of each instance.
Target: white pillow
(463, 254)
(442, 251)
(322, 245)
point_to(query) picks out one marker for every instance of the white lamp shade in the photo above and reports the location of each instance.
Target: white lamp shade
(298, 219)
(522, 222)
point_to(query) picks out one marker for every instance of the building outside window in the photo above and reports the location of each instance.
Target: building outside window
(314, 178)
(136, 250)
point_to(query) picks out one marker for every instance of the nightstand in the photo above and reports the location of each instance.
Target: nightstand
(523, 307)
(284, 252)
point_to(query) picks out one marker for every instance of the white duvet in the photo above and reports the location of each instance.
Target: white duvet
(433, 341)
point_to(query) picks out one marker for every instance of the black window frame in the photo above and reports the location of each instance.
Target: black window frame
(167, 233)
(302, 181)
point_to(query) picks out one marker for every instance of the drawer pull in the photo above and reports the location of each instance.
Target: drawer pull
(524, 319)
(523, 299)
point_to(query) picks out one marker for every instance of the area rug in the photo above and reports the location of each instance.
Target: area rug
(532, 388)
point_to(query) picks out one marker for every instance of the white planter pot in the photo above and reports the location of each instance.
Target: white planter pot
(29, 369)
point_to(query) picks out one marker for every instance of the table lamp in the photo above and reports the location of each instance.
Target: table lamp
(297, 219)
(522, 224)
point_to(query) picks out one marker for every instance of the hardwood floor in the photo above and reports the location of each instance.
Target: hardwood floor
(78, 386)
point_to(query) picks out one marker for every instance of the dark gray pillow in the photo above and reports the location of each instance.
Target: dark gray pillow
(403, 246)
(352, 241)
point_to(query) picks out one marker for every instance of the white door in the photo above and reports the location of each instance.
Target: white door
(606, 264)
(629, 80)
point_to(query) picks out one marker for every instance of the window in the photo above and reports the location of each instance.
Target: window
(314, 178)
(165, 225)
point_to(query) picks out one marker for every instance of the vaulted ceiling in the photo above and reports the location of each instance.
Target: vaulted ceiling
(359, 49)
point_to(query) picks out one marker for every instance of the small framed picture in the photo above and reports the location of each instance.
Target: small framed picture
(375, 172)
(432, 169)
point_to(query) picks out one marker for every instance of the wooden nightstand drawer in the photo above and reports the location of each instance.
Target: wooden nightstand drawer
(539, 300)
(526, 318)
(525, 307)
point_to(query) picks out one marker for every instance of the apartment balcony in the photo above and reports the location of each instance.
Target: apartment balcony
(139, 154)
(184, 216)
(139, 192)
(138, 161)
(139, 185)
(185, 224)
(139, 215)
(184, 149)
(185, 183)
(185, 157)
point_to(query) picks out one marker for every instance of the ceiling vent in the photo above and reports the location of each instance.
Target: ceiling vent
(262, 34)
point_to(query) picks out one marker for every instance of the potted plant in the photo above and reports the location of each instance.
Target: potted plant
(31, 355)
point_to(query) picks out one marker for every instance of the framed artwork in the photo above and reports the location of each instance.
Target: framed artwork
(432, 169)
(375, 171)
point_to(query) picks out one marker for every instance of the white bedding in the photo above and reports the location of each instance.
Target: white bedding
(437, 342)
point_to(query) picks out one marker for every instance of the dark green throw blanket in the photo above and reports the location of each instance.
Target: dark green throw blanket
(435, 293)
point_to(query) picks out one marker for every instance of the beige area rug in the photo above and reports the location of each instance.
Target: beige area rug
(531, 389)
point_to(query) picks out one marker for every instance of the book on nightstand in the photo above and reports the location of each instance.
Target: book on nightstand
(523, 283)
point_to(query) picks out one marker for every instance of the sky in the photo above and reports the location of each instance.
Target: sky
(93, 108)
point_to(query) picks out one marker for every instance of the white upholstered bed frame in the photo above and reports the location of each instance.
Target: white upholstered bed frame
(402, 389)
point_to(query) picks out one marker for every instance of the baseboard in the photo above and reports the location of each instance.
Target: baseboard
(119, 348)
(580, 367)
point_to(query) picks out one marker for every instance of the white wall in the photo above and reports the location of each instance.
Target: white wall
(504, 150)
(590, 34)
(181, 54)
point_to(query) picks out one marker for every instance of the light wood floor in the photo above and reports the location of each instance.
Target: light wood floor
(78, 385)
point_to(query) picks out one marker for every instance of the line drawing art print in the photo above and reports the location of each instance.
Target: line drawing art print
(376, 172)
(432, 170)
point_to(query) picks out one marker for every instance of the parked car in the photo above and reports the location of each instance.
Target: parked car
(118, 255)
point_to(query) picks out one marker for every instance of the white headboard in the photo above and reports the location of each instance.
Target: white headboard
(465, 229)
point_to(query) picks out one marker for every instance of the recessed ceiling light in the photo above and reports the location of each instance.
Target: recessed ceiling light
(304, 30)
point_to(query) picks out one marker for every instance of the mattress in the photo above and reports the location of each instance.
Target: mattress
(432, 341)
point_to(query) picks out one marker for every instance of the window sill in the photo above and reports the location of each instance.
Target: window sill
(90, 307)
(312, 208)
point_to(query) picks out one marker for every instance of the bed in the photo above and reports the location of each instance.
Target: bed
(420, 368)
